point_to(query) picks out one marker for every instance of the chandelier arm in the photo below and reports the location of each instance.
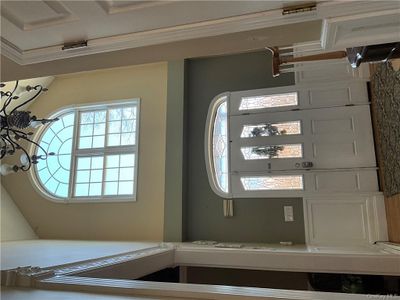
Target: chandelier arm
(22, 167)
(20, 132)
(37, 145)
(8, 93)
(19, 147)
(27, 101)
(15, 87)
(9, 139)
(4, 148)
(8, 101)
(20, 119)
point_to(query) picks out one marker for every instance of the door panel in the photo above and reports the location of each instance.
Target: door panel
(304, 97)
(331, 138)
(322, 181)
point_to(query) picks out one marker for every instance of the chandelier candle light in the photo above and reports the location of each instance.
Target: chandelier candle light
(15, 128)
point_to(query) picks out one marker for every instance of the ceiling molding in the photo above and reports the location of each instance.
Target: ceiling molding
(330, 12)
(64, 15)
(111, 9)
(329, 9)
(370, 28)
(11, 51)
(216, 27)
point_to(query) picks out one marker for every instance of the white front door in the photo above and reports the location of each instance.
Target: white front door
(293, 141)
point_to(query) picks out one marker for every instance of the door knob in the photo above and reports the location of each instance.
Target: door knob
(307, 164)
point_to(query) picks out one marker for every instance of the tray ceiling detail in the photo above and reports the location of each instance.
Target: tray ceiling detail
(36, 31)
(30, 15)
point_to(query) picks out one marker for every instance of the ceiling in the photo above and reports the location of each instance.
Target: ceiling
(36, 31)
(36, 24)
(118, 33)
(239, 42)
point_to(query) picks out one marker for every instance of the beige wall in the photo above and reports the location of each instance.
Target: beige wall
(140, 220)
(14, 226)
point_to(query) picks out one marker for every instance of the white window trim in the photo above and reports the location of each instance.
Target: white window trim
(38, 186)
(208, 144)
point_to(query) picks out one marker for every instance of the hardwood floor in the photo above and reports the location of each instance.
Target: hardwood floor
(393, 217)
(392, 203)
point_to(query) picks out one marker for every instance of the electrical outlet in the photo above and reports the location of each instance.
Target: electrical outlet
(288, 212)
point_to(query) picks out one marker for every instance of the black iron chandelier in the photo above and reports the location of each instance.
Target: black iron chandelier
(16, 126)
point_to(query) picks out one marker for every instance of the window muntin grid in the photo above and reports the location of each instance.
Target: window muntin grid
(88, 176)
(122, 124)
(85, 152)
(92, 129)
(119, 174)
(54, 173)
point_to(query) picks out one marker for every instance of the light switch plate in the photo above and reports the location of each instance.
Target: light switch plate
(288, 212)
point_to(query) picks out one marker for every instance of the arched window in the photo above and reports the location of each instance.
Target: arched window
(217, 146)
(95, 149)
(241, 135)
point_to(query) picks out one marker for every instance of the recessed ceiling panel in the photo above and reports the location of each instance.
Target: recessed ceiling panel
(28, 15)
(112, 7)
(37, 24)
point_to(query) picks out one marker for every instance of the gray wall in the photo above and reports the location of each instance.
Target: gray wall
(255, 220)
(173, 212)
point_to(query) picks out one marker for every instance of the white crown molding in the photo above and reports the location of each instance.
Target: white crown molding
(158, 36)
(339, 8)
(11, 51)
(376, 27)
(331, 12)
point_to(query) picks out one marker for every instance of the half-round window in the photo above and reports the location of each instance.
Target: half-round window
(217, 146)
(54, 172)
(95, 154)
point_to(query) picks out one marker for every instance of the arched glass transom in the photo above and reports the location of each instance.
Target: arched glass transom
(54, 172)
(220, 147)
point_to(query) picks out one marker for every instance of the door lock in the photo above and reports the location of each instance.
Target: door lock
(307, 164)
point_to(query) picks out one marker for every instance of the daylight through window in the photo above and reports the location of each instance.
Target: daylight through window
(95, 153)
